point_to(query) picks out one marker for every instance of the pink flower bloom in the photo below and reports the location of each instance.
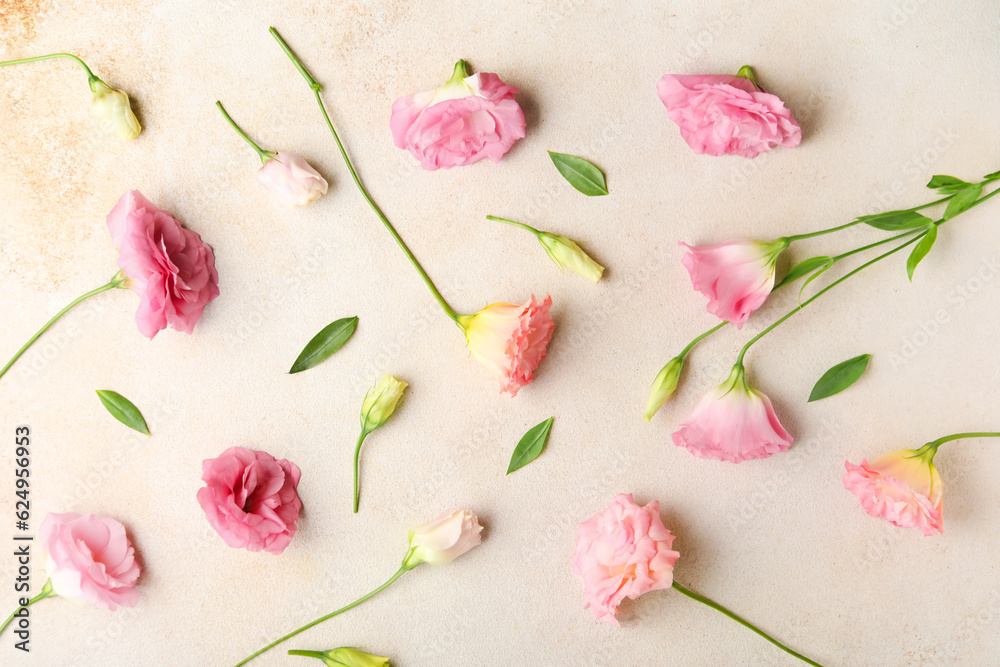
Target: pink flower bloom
(733, 422)
(510, 340)
(624, 551)
(444, 539)
(902, 487)
(292, 179)
(463, 121)
(89, 558)
(170, 267)
(727, 115)
(249, 498)
(736, 276)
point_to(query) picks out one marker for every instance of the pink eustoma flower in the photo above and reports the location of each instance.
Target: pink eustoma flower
(733, 422)
(90, 558)
(250, 499)
(465, 120)
(622, 552)
(510, 340)
(169, 267)
(736, 276)
(292, 180)
(727, 115)
(903, 487)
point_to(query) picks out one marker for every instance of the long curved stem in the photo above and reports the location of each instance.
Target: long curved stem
(357, 455)
(718, 607)
(514, 223)
(116, 281)
(317, 88)
(264, 155)
(51, 56)
(46, 592)
(319, 620)
(934, 444)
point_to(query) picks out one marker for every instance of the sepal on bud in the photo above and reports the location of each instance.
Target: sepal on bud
(381, 401)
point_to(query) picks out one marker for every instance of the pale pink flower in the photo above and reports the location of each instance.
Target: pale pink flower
(510, 340)
(736, 276)
(170, 267)
(622, 552)
(733, 422)
(90, 558)
(903, 487)
(250, 499)
(727, 115)
(463, 121)
(292, 180)
(444, 539)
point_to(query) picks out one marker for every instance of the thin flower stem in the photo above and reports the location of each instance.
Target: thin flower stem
(319, 620)
(47, 592)
(515, 223)
(357, 455)
(264, 155)
(316, 88)
(718, 607)
(801, 237)
(116, 281)
(51, 56)
(934, 444)
(701, 337)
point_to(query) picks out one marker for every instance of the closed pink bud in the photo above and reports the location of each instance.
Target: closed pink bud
(444, 539)
(293, 180)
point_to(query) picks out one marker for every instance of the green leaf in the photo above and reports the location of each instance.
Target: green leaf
(992, 177)
(123, 410)
(531, 445)
(581, 174)
(814, 276)
(920, 251)
(840, 377)
(896, 221)
(946, 184)
(962, 201)
(804, 268)
(326, 342)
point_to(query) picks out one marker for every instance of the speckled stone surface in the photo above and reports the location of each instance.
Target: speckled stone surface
(888, 93)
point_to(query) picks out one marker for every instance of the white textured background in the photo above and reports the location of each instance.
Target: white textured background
(888, 93)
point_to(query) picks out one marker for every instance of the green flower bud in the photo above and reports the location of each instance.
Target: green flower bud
(663, 386)
(380, 402)
(345, 657)
(569, 255)
(112, 108)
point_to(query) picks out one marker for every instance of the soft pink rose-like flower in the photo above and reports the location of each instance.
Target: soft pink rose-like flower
(292, 179)
(733, 422)
(736, 276)
(170, 267)
(463, 121)
(727, 115)
(444, 539)
(624, 551)
(510, 340)
(902, 487)
(250, 499)
(89, 558)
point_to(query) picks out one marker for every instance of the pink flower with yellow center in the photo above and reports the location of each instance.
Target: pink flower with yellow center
(903, 487)
(510, 340)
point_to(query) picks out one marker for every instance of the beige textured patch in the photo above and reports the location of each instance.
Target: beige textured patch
(18, 18)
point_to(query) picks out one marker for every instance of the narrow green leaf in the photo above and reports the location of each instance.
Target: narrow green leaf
(962, 201)
(992, 177)
(582, 175)
(814, 276)
(123, 410)
(531, 445)
(804, 268)
(840, 377)
(920, 251)
(946, 184)
(326, 342)
(895, 221)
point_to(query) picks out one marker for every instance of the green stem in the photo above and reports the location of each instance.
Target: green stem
(116, 281)
(718, 607)
(309, 654)
(51, 56)
(264, 155)
(357, 455)
(319, 620)
(934, 444)
(515, 223)
(800, 237)
(47, 592)
(448, 310)
(701, 337)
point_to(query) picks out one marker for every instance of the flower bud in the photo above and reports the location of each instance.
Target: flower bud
(112, 108)
(444, 539)
(380, 402)
(663, 386)
(345, 657)
(567, 254)
(291, 179)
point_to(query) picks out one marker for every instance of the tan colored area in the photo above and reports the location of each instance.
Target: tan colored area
(887, 94)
